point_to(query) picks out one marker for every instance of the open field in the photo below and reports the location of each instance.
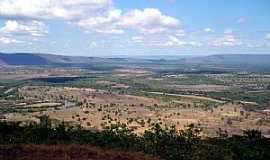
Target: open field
(139, 95)
(95, 109)
(188, 96)
(200, 88)
(21, 73)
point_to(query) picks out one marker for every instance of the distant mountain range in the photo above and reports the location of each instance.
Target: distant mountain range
(18, 59)
(234, 59)
(44, 59)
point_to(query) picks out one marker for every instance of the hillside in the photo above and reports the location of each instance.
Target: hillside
(23, 59)
(44, 59)
(231, 59)
(52, 59)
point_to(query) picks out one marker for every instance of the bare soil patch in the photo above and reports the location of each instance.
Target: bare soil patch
(202, 87)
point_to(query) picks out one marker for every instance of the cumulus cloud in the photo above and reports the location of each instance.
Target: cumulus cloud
(174, 41)
(149, 20)
(32, 28)
(12, 30)
(8, 40)
(48, 9)
(103, 24)
(28, 18)
(226, 40)
(145, 21)
(94, 15)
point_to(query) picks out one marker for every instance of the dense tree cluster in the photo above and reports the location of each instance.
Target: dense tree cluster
(165, 142)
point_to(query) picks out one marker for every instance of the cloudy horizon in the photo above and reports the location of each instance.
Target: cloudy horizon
(144, 27)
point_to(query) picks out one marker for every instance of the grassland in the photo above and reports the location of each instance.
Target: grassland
(138, 95)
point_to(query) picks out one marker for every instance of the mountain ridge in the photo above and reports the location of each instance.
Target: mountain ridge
(51, 59)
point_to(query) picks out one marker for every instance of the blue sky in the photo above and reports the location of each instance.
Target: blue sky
(139, 27)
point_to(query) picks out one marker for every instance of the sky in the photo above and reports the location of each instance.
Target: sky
(135, 27)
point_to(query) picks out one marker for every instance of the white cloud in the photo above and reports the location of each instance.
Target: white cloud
(174, 41)
(23, 8)
(32, 28)
(28, 17)
(95, 4)
(12, 31)
(226, 40)
(47, 9)
(145, 21)
(103, 24)
(208, 30)
(8, 40)
(149, 20)
(93, 15)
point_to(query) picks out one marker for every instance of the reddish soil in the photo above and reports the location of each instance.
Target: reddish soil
(67, 152)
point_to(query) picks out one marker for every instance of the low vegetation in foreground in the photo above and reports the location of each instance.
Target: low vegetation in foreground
(167, 143)
(67, 152)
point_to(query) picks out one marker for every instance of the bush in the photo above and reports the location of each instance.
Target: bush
(165, 142)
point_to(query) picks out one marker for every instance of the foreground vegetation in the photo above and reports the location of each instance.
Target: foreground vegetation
(67, 152)
(164, 142)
